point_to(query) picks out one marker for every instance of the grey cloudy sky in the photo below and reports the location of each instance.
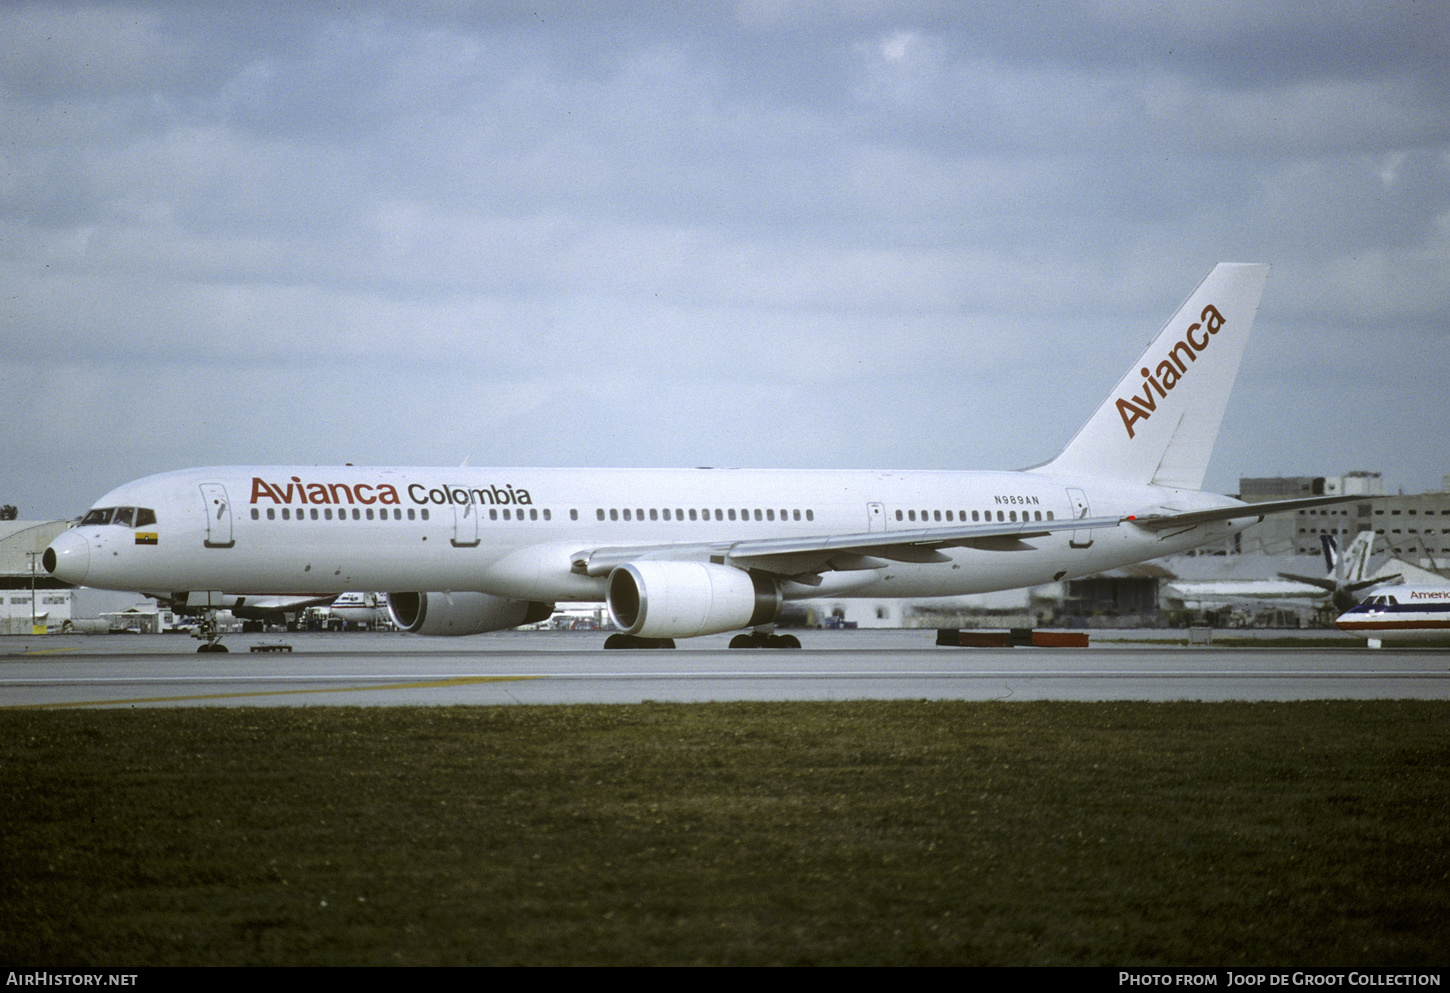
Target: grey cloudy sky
(765, 233)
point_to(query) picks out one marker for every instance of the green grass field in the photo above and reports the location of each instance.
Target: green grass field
(1308, 834)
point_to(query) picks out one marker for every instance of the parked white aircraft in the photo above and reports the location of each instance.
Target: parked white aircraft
(681, 553)
(363, 609)
(1401, 613)
(1348, 576)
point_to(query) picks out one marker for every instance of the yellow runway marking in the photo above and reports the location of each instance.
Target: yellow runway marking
(431, 684)
(49, 651)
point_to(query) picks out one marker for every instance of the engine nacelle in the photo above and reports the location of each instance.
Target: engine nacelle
(462, 613)
(661, 599)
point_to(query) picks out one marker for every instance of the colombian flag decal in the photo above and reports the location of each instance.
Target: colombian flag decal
(145, 537)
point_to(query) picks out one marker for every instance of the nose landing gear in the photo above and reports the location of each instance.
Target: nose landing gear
(208, 632)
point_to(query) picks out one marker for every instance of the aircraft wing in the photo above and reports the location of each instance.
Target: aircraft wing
(863, 550)
(875, 549)
(252, 607)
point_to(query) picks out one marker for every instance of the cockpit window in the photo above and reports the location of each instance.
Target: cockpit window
(126, 517)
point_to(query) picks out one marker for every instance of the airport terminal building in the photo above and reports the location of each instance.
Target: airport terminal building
(1415, 528)
(30, 599)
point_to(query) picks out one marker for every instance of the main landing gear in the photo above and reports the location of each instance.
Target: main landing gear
(635, 641)
(208, 631)
(765, 639)
(755, 639)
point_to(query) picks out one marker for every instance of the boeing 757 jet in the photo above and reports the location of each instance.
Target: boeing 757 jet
(689, 552)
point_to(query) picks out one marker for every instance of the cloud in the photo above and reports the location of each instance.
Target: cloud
(765, 233)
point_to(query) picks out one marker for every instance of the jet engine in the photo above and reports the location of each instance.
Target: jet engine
(660, 599)
(462, 613)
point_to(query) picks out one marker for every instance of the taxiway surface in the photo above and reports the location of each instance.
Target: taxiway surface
(569, 667)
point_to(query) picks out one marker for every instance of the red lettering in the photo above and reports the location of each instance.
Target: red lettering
(260, 488)
(1130, 413)
(1212, 318)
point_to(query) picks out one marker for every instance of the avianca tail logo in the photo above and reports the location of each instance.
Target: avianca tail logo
(1157, 383)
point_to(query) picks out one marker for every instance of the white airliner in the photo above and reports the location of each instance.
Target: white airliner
(363, 609)
(1401, 613)
(1348, 576)
(688, 552)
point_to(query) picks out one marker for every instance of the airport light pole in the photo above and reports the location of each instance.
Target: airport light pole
(32, 589)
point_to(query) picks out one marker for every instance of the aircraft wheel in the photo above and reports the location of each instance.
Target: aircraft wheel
(634, 641)
(785, 641)
(744, 641)
(217, 647)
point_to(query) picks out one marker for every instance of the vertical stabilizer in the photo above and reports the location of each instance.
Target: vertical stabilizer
(1160, 422)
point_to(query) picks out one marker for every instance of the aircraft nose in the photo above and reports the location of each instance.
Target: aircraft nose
(68, 558)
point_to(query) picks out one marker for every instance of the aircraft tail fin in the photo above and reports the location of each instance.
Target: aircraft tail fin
(1160, 422)
(1357, 558)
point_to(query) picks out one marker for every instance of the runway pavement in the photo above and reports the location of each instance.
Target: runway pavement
(570, 667)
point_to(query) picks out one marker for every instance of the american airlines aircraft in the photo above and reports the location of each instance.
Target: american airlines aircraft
(688, 552)
(1401, 613)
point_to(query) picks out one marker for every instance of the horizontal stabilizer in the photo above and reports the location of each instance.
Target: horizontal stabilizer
(1237, 512)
